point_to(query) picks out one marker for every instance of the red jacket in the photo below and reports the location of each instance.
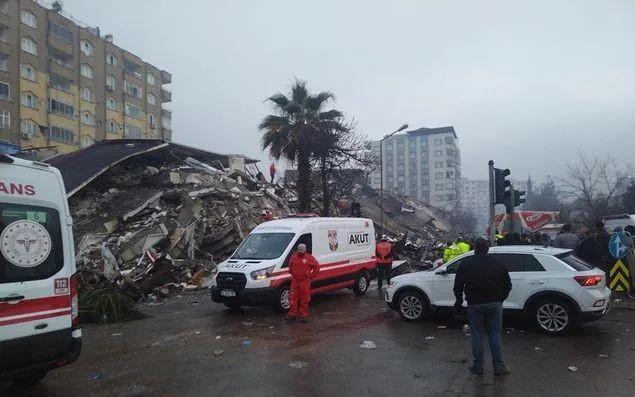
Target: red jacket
(384, 253)
(303, 267)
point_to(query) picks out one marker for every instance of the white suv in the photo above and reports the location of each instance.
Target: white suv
(554, 287)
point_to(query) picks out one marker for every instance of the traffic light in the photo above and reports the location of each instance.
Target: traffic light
(519, 197)
(500, 185)
(513, 198)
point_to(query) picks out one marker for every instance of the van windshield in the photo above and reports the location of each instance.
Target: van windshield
(30, 243)
(263, 246)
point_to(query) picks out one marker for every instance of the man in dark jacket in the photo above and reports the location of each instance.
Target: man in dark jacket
(486, 284)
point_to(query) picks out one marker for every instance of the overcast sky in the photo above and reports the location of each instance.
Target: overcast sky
(527, 84)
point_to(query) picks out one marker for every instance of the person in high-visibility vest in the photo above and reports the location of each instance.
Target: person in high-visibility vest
(383, 251)
(464, 247)
(451, 252)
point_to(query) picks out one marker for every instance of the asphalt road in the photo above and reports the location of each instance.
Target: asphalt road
(171, 353)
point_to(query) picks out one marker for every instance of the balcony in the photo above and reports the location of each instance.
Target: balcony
(166, 113)
(167, 134)
(132, 68)
(166, 77)
(166, 95)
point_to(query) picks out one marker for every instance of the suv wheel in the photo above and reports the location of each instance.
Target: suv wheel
(283, 299)
(361, 283)
(553, 316)
(412, 306)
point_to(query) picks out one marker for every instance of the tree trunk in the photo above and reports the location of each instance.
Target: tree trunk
(304, 181)
(326, 196)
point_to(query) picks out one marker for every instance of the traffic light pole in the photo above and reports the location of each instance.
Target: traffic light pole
(492, 199)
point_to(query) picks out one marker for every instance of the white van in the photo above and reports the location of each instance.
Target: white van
(621, 220)
(257, 272)
(38, 287)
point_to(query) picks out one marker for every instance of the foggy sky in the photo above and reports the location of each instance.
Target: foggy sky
(527, 84)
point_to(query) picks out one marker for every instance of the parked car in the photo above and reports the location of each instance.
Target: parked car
(257, 273)
(552, 286)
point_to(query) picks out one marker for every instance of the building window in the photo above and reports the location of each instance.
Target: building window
(5, 90)
(86, 71)
(29, 45)
(111, 59)
(150, 79)
(152, 99)
(61, 32)
(4, 62)
(438, 175)
(450, 175)
(152, 120)
(438, 142)
(133, 89)
(58, 82)
(63, 135)
(86, 48)
(87, 94)
(28, 128)
(449, 152)
(4, 33)
(28, 72)
(29, 100)
(131, 131)
(61, 108)
(112, 127)
(449, 140)
(111, 82)
(133, 111)
(5, 120)
(438, 164)
(88, 118)
(438, 153)
(111, 104)
(28, 18)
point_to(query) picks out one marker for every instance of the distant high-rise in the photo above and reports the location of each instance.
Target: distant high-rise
(63, 86)
(424, 164)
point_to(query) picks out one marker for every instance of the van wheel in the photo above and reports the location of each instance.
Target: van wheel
(553, 316)
(30, 378)
(283, 299)
(412, 306)
(361, 283)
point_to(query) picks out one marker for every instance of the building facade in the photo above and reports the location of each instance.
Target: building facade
(63, 86)
(424, 164)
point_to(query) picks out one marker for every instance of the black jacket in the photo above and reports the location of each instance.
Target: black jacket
(483, 279)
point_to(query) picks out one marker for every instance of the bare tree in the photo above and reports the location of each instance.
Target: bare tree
(596, 186)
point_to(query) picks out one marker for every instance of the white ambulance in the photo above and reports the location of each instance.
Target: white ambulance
(39, 327)
(257, 273)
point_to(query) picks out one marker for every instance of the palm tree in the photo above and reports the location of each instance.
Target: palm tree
(295, 129)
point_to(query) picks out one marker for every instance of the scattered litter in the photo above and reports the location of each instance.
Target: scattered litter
(538, 348)
(246, 343)
(116, 334)
(573, 369)
(468, 334)
(217, 337)
(94, 377)
(441, 327)
(368, 344)
(197, 332)
(430, 337)
(218, 352)
(617, 300)
(417, 376)
(272, 327)
(466, 328)
(247, 323)
(384, 310)
(298, 364)
(618, 340)
(603, 355)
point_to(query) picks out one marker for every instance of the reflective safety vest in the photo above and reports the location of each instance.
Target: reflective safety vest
(464, 247)
(451, 252)
(384, 253)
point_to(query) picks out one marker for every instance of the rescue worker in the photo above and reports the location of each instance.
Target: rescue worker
(303, 268)
(383, 250)
(272, 171)
(451, 252)
(464, 247)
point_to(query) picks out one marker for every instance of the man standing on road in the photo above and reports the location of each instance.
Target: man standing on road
(451, 251)
(566, 239)
(486, 284)
(464, 247)
(303, 268)
(383, 250)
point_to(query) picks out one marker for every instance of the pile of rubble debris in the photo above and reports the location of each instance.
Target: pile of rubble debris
(160, 228)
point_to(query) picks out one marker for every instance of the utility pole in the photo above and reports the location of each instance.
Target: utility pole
(492, 199)
(381, 172)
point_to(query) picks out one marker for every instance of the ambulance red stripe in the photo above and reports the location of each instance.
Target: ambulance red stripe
(35, 305)
(35, 317)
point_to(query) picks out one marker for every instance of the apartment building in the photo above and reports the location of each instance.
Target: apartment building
(424, 164)
(64, 86)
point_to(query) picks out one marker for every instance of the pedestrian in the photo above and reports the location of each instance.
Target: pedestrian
(272, 171)
(630, 229)
(384, 252)
(601, 247)
(586, 250)
(486, 284)
(303, 268)
(451, 251)
(566, 239)
(464, 246)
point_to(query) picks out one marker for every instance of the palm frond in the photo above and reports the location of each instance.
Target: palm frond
(280, 100)
(299, 92)
(315, 103)
(330, 115)
(273, 122)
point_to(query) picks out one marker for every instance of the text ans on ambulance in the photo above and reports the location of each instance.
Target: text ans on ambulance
(17, 189)
(359, 238)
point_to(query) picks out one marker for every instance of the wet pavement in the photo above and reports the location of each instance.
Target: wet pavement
(189, 346)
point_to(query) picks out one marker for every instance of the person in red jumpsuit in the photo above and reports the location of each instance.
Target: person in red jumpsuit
(303, 268)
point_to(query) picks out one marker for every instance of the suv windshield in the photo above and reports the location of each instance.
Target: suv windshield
(30, 243)
(263, 246)
(575, 262)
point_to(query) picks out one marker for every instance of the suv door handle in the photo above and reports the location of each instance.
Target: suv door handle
(11, 298)
(537, 282)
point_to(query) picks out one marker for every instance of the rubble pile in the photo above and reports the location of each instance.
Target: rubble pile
(160, 228)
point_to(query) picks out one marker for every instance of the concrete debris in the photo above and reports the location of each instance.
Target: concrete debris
(430, 338)
(368, 344)
(218, 352)
(573, 369)
(298, 364)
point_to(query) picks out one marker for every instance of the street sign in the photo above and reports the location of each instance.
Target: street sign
(618, 245)
(619, 277)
